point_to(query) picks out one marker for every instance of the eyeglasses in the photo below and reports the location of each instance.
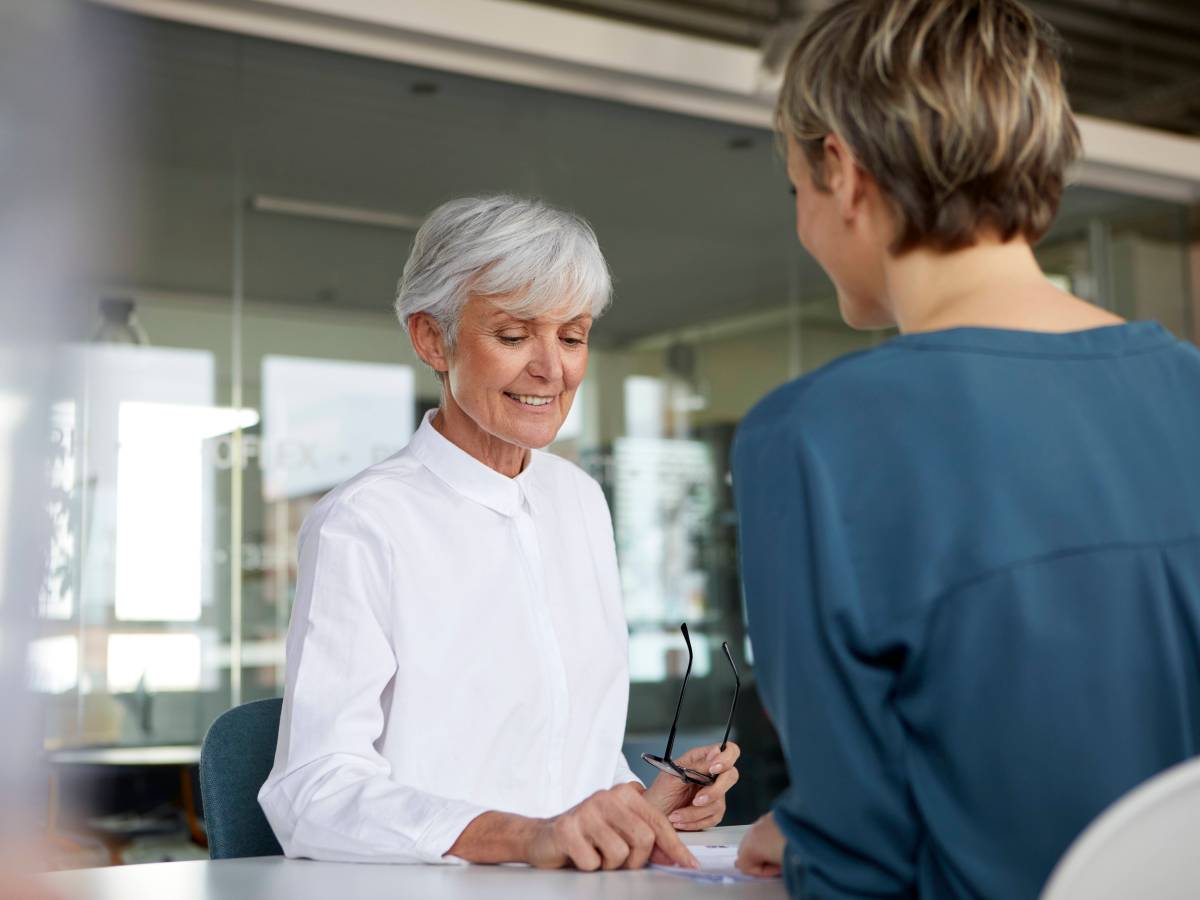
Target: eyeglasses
(664, 763)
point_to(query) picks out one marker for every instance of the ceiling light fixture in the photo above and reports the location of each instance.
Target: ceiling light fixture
(331, 212)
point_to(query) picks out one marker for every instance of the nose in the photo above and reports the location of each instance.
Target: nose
(546, 362)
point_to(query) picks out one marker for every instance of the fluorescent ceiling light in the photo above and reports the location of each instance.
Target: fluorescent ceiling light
(331, 212)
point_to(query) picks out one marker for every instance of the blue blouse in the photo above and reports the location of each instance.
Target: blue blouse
(971, 562)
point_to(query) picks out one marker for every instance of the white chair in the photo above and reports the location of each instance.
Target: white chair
(1147, 844)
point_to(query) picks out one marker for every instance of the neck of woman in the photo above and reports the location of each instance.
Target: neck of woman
(464, 432)
(991, 284)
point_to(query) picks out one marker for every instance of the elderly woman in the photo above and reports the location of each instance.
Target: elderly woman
(971, 555)
(457, 674)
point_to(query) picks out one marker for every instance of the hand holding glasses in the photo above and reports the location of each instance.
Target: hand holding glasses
(665, 763)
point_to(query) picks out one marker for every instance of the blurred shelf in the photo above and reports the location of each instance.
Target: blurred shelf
(167, 755)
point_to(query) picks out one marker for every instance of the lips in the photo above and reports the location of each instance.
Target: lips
(530, 400)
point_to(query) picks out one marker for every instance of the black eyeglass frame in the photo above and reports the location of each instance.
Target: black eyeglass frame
(665, 763)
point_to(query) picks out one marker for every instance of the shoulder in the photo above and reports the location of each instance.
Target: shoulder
(853, 385)
(1189, 352)
(368, 499)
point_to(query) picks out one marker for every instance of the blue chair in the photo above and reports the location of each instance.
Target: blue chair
(235, 760)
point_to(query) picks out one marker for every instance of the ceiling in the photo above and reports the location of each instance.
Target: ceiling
(1132, 60)
(693, 215)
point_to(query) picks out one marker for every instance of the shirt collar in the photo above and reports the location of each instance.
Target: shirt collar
(467, 475)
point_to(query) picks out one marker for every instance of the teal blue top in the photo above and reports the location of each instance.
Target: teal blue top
(971, 562)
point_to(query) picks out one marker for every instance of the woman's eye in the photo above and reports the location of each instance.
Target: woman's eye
(511, 339)
(573, 342)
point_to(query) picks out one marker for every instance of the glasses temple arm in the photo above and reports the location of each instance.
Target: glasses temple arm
(737, 689)
(683, 687)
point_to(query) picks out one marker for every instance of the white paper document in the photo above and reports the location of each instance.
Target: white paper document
(718, 865)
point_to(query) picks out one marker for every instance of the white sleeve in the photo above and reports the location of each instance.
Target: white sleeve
(331, 795)
(624, 773)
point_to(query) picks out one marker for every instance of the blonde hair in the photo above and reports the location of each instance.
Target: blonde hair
(956, 108)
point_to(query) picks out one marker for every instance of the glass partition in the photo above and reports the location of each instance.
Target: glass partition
(1126, 253)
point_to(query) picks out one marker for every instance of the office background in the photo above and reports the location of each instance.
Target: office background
(241, 358)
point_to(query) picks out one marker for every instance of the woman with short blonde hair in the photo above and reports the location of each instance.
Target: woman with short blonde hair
(957, 110)
(971, 555)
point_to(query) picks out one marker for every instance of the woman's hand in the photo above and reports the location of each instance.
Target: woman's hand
(692, 807)
(761, 850)
(611, 829)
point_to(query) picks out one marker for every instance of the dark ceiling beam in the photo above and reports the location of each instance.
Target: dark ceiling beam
(1087, 102)
(1077, 25)
(1171, 14)
(763, 10)
(1088, 56)
(1137, 60)
(1166, 102)
(1112, 83)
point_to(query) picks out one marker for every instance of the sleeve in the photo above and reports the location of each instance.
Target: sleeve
(623, 773)
(331, 795)
(848, 818)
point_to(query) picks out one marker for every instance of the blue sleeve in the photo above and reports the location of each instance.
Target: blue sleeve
(850, 824)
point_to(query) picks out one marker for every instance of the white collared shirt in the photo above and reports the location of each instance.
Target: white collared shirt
(457, 645)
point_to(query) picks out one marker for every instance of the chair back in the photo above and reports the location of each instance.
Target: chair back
(235, 760)
(1147, 844)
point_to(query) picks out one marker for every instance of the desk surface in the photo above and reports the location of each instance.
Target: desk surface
(271, 877)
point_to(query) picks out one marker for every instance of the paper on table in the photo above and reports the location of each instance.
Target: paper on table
(718, 865)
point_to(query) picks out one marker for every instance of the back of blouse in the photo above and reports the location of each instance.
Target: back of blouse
(971, 561)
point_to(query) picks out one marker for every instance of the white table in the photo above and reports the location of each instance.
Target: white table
(276, 878)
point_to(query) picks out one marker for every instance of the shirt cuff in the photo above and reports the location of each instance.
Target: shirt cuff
(444, 830)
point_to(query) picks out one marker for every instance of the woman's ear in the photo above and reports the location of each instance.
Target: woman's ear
(428, 341)
(847, 180)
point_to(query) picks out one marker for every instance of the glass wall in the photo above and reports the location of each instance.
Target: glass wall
(245, 359)
(1128, 254)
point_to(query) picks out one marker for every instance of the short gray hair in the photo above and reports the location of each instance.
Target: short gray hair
(540, 258)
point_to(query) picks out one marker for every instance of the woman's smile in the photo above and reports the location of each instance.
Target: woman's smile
(531, 401)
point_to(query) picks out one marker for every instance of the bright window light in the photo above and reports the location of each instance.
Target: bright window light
(54, 664)
(155, 662)
(656, 655)
(160, 483)
(664, 495)
(325, 420)
(645, 400)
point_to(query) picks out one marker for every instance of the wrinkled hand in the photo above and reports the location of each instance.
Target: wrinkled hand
(611, 829)
(761, 850)
(692, 807)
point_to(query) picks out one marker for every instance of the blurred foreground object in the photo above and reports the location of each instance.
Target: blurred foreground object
(50, 152)
(1143, 845)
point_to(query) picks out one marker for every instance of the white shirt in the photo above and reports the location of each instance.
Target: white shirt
(457, 645)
